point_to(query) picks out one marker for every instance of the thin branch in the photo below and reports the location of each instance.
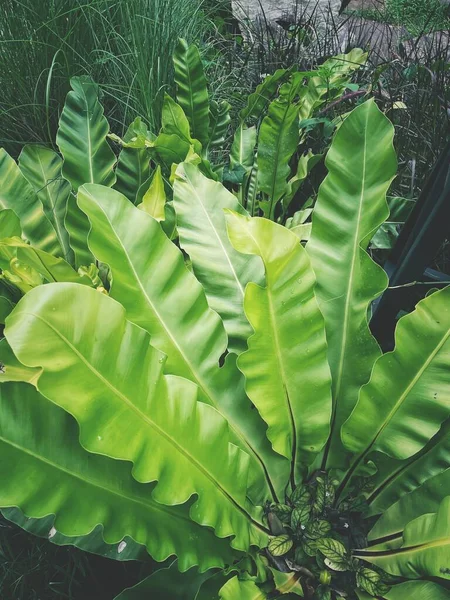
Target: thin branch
(348, 96)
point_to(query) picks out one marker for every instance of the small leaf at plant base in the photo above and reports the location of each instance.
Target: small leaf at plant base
(317, 529)
(319, 501)
(323, 593)
(300, 517)
(309, 547)
(301, 496)
(280, 545)
(335, 554)
(334, 566)
(300, 556)
(154, 199)
(287, 583)
(370, 581)
(283, 512)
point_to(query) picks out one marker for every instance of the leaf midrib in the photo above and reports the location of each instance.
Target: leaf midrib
(279, 358)
(349, 292)
(90, 161)
(276, 168)
(45, 187)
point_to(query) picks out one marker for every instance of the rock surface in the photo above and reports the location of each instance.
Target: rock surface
(341, 31)
(274, 10)
(364, 5)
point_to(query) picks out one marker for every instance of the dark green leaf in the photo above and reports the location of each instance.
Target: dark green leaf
(280, 545)
(192, 91)
(283, 512)
(301, 496)
(335, 554)
(219, 120)
(317, 529)
(323, 593)
(310, 547)
(319, 500)
(258, 101)
(234, 175)
(82, 135)
(300, 517)
(370, 581)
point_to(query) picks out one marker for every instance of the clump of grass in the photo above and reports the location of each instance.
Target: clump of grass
(417, 16)
(125, 45)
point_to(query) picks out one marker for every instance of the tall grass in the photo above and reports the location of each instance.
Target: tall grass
(125, 45)
(416, 16)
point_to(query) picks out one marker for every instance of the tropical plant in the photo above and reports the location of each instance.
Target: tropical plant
(224, 403)
(269, 156)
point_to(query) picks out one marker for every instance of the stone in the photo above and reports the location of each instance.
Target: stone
(275, 10)
(377, 5)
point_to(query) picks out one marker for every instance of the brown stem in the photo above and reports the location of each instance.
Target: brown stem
(279, 563)
(348, 96)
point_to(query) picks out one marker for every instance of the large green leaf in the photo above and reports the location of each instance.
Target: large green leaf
(42, 167)
(171, 149)
(168, 584)
(425, 551)
(397, 478)
(18, 195)
(133, 165)
(93, 542)
(223, 272)
(418, 590)
(109, 377)
(424, 499)
(351, 205)
(277, 141)
(44, 470)
(406, 399)
(286, 362)
(150, 278)
(192, 91)
(9, 224)
(81, 136)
